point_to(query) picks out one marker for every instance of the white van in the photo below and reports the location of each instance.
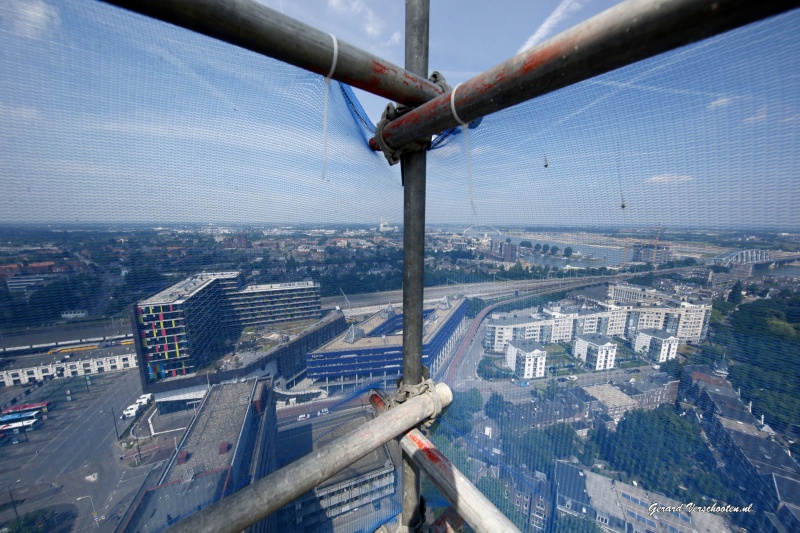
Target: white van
(144, 399)
(130, 411)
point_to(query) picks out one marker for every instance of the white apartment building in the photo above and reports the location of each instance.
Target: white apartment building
(659, 346)
(597, 351)
(526, 358)
(688, 321)
(66, 368)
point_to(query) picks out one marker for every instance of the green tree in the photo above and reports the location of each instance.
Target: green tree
(568, 251)
(36, 522)
(475, 306)
(487, 370)
(525, 244)
(545, 248)
(496, 406)
(563, 439)
(735, 296)
(537, 248)
(554, 250)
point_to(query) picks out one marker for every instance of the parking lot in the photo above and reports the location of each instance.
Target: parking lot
(71, 459)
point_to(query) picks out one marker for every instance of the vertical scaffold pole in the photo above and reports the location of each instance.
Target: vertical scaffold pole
(413, 169)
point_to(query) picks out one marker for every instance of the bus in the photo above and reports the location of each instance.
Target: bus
(25, 408)
(19, 417)
(17, 427)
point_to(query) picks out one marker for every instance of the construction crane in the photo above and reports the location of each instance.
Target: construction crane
(655, 245)
(625, 251)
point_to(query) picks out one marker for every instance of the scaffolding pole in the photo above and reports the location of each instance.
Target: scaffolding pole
(265, 496)
(414, 177)
(467, 502)
(466, 499)
(255, 27)
(628, 32)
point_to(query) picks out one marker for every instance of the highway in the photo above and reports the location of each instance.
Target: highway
(363, 304)
(359, 304)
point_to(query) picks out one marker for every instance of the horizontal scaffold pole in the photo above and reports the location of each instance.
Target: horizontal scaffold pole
(255, 27)
(265, 496)
(628, 32)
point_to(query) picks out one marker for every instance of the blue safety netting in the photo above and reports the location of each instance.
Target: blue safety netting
(120, 129)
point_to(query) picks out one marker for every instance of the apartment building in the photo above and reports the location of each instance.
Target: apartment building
(686, 320)
(527, 358)
(659, 346)
(597, 351)
(187, 326)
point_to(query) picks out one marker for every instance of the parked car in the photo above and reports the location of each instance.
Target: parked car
(304, 417)
(144, 399)
(130, 411)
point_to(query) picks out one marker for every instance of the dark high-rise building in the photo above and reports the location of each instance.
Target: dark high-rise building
(187, 326)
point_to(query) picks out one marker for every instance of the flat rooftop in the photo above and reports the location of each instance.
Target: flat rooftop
(220, 420)
(741, 426)
(269, 287)
(596, 339)
(434, 322)
(611, 396)
(185, 289)
(616, 499)
(201, 480)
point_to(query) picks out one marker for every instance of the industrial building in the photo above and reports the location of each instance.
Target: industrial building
(373, 349)
(230, 443)
(187, 326)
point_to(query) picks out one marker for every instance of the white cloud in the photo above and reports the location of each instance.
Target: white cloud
(720, 102)
(394, 40)
(564, 9)
(668, 179)
(31, 19)
(18, 114)
(372, 24)
(758, 117)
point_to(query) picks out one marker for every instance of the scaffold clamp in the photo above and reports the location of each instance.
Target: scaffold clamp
(390, 113)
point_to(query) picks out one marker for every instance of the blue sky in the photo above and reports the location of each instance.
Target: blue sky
(108, 116)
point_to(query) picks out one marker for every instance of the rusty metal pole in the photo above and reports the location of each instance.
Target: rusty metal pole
(465, 497)
(624, 34)
(255, 27)
(414, 177)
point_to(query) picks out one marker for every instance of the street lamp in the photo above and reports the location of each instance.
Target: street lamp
(94, 513)
(13, 503)
(114, 418)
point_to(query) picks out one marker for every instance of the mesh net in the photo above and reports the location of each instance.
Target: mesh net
(135, 155)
